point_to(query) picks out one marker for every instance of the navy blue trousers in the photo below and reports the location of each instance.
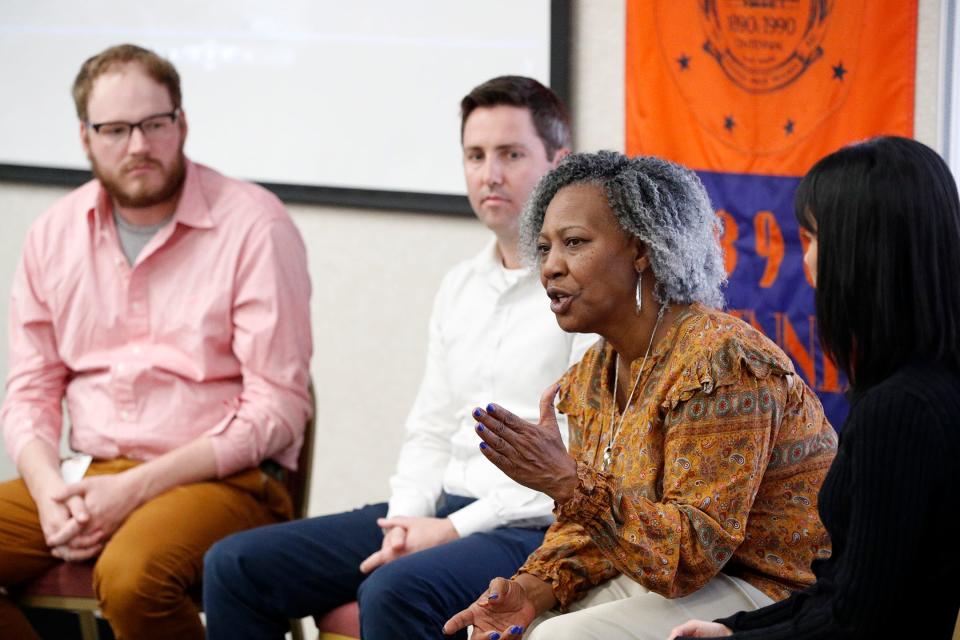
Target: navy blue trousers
(255, 581)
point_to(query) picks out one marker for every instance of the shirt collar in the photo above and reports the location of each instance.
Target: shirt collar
(193, 209)
(489, 260)
(489, 265)
(694, 309)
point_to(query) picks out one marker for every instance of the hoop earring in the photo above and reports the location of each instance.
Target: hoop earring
(639, 292)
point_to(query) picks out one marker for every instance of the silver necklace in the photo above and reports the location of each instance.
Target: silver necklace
(615, 428)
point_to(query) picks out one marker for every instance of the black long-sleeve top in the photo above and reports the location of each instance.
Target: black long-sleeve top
(891, 503)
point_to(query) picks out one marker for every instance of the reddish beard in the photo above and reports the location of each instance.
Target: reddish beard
(138, 196)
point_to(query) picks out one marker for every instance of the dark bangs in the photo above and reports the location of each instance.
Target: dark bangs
(887, 219)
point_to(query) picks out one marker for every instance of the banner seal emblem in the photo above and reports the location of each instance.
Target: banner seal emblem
(764, 45)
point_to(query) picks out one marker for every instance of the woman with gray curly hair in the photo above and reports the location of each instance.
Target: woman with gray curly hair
(696, 452)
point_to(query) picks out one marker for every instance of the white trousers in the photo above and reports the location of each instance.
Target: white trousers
(622, 608)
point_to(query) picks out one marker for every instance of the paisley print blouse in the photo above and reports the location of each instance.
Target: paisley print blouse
(716, 466)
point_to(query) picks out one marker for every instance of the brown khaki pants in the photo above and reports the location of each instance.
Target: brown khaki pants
(154, 561)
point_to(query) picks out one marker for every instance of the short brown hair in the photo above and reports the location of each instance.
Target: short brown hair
(550, 116)
(158, 68)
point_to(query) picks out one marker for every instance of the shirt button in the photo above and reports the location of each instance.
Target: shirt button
(136, 350)
(137, 306)
(125, 415)
(120, 368)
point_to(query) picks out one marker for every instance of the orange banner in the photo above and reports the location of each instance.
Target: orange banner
(750, 93)
(766, 86)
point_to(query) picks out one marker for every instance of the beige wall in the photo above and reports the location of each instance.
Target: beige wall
(374, 273)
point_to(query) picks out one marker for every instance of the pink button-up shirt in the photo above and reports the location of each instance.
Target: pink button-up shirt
(207, 334)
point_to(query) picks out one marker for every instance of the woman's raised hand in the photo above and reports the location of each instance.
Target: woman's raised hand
(532, 454)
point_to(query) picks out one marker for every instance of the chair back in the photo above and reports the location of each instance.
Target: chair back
(297, 482)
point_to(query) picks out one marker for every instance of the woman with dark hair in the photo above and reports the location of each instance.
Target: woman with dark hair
(882, 220)
(696, 452)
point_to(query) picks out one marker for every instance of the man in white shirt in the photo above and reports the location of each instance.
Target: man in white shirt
(454, 521)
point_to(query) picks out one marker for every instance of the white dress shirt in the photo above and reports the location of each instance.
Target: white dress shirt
(493, 339)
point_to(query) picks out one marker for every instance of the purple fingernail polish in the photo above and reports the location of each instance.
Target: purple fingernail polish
(477, 412)
(516, 630)
(494, 636)
(493, 596)
(479, 427)
(490, 408)
(483, 445)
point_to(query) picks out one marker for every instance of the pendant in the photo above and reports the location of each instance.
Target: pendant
(607, 457)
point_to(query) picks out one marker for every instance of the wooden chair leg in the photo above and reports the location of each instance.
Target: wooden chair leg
(296, 629)
(88, 625)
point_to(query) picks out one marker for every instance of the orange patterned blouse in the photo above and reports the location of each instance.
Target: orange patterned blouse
(716, 466)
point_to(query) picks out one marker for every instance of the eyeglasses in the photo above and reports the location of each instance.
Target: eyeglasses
(154, 128)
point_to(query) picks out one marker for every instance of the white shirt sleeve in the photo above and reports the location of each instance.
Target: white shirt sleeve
(418, 481)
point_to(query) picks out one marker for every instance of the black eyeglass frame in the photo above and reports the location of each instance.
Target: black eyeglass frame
(173, 115)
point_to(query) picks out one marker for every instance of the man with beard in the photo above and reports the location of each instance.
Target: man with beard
(168, 306)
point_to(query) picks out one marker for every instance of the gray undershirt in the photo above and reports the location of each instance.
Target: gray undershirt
(134, 237)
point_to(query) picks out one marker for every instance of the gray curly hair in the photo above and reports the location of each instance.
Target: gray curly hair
(661, 203)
